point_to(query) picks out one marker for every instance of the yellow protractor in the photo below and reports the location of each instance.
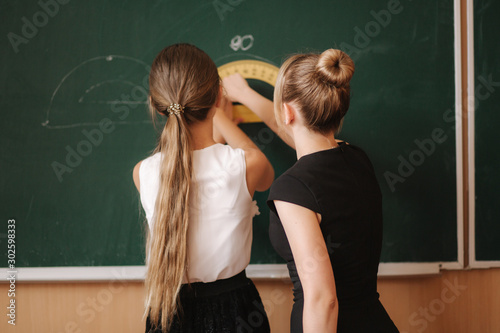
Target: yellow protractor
(249, 69)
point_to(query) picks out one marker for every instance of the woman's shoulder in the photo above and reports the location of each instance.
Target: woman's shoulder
(290, 180)
(315, 159)
(309, 168)
(362, 156)
(293, 188)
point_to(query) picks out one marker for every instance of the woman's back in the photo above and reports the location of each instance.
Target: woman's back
(220, 211)
(340, 185)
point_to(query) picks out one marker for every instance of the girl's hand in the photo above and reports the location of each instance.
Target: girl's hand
(227, 107)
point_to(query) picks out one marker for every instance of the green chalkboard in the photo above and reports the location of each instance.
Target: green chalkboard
(74, 119)
(487, 118)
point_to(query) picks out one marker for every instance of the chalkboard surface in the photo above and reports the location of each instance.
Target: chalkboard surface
(487, 118)
(74, 120)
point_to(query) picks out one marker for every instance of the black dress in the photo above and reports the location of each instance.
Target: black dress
(340, 185)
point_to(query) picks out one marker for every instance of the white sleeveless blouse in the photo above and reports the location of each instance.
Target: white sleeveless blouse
(220, 211)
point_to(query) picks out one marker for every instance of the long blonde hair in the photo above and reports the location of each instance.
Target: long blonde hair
(320, 86)
(185, 75)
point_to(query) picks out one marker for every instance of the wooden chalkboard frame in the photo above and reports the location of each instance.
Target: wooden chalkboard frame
(137, 273)
(279, 271)
(473, 262)
(459, 264)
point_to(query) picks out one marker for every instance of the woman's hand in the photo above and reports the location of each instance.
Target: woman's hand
(236, 87)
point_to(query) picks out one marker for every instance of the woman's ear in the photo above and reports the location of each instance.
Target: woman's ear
(289, 113)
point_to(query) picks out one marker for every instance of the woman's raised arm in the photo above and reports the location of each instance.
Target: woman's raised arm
(238, 90)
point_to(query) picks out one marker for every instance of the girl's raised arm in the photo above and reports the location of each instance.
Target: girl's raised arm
(259, 173)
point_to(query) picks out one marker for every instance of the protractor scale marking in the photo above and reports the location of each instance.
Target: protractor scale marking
(249, 69)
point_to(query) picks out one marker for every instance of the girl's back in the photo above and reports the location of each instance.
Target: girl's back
(220, 211)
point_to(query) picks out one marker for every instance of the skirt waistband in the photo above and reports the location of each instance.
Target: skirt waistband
(202, 289)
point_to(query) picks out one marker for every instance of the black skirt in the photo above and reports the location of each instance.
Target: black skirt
(228, 305)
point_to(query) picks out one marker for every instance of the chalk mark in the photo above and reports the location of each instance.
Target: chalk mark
(107, 58)
(29, 208)
(118, 102)
(97, 124)
(97, 85)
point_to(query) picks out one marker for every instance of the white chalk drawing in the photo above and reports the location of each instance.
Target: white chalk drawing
(97, 85)
(244, 43)
(107, 83)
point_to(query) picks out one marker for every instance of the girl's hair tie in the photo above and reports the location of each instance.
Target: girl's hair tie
(175, 108)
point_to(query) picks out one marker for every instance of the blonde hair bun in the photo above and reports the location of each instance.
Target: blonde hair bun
(335, 67)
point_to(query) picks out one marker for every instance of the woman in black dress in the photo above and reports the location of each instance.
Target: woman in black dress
(326, 210)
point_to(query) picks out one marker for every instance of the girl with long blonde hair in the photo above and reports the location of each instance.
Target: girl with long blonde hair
(197, 196)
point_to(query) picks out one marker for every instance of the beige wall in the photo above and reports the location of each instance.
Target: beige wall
(470, 305)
